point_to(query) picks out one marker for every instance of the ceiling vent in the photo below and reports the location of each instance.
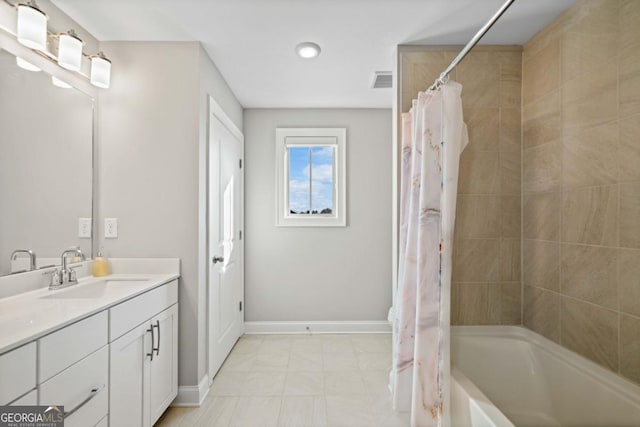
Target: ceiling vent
(382, 80)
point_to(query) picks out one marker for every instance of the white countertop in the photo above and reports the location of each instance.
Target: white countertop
(28, 316)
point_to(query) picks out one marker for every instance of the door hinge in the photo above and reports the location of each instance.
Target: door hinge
(240, 306)
(240, 234)
(240, 163)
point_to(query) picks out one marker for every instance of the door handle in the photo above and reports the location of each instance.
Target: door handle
(153, 342)
(216, 259)
(157, 349)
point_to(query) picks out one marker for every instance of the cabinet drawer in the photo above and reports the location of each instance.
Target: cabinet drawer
(17, 372)
(28, 399)
(65, 347)
(83, 389)
(126, 316)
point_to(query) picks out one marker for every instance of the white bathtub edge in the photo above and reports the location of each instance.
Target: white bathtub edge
(623, 387)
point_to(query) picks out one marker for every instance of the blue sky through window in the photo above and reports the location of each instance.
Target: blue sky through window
(311, 173)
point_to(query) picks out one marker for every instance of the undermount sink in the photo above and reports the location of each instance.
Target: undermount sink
(90, 290)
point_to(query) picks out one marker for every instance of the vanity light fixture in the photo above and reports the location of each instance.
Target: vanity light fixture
(70, 50)
(32, 26)
(26, 65)
(59, 83)
(308, 50)
(100, 70)
(32, 32)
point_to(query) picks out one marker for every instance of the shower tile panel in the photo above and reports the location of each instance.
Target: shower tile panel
(541, 72)
(510, 208)
(591, 331)
(542, 312)
(541, 212)
(541, 120)
(591, 219)
(629, 149)
(483, 125)
(590, 215)
(630, 215)
(542, 168)
(590, 157)
(630, 281)
(590, 273)
(480, 173)
(630, 347)
(590, 99)
(510, 126)
(542, 268)
(487, 233)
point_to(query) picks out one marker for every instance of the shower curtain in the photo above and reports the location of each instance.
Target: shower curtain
(433, 136)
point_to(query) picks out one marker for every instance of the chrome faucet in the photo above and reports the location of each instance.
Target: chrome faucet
(32, 257)
(65, 276)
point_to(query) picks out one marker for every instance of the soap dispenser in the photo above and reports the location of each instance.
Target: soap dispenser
(100, 265)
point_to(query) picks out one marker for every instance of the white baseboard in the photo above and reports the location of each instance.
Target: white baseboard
(315, 327)
(192, 395)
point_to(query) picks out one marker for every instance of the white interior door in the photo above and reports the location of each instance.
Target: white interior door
(226, 255)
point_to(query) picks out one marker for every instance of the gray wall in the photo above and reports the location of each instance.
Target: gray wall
(150, 132)
(298, 274)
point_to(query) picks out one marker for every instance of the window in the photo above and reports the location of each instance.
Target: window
(311, 177)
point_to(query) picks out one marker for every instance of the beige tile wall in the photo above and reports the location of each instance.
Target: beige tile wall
(581, 182)
(486, 276)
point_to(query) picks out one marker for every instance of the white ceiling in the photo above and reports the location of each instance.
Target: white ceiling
(252, 41)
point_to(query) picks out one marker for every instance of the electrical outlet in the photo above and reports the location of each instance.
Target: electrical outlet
(111, 228)
(84, 228)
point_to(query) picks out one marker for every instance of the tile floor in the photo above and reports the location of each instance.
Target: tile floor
(299, 381)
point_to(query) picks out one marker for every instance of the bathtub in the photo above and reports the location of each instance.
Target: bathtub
(512, 372)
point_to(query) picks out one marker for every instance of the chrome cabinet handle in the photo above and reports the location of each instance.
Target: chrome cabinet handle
(153, 342)
(216, 259)
(94, 393)
(157, 349)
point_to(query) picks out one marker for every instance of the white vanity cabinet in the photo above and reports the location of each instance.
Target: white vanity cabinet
(111, 360)
(143, 355)
(18, 375)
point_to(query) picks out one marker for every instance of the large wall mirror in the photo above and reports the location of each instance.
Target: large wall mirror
(46, 167)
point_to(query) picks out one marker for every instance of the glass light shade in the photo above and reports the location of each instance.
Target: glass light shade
(100, 71)
(32, 27)
(308, 50)
(59, 83)
(69, 52)
(26, 65)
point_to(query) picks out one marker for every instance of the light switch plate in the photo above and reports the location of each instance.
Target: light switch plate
(111, 228)
(84, 228)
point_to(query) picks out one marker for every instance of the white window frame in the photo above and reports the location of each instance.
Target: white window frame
(310, 137)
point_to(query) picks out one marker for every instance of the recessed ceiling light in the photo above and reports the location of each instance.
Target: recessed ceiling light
(308, 50)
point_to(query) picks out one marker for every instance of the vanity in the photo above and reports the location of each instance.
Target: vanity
(106, 348)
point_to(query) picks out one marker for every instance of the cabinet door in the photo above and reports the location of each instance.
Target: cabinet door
(164, 366)
(17, 373)
(129, 374)
(81, 389)
(28, 399)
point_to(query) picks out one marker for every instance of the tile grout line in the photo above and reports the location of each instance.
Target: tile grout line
(619, 215)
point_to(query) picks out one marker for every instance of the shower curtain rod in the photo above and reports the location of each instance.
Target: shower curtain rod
(474, 41)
